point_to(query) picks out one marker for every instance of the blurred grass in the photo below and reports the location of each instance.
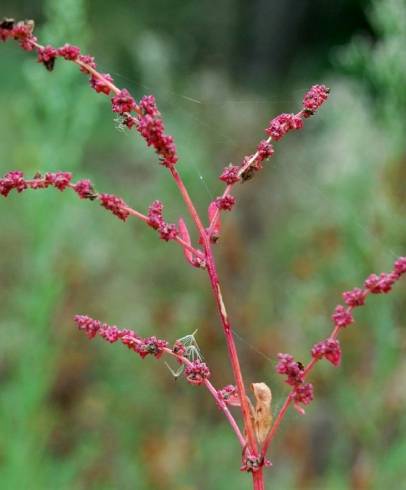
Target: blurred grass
(328, 211)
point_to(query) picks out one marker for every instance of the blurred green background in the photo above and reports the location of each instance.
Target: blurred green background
(326, 211)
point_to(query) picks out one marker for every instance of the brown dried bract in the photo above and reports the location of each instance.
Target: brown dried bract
(261, 414)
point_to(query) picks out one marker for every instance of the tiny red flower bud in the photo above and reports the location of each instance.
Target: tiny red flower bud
(355, 297)
(89, 61)
(400, 265)
(294, 370)
(114, 204)
(225, 203)
(265, 150)
(282, 124)
(109, 333)
(123, 102)
(303, 393)
(84, 189)
(314, 98)
(69, 52)
(342, 317)
(47, 56)
(100, 84)
(329, 349)
(88, 325)
(155, 216)
(230, 174)
(148, 105)
(197, 372)
(153, 346)
(60, 180)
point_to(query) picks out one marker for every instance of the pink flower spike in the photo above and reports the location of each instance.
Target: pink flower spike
(400, 266)
(85, 190)
(382, 283)
(155, 215)
(265, 150)
(230, 174)
(293, 370)
(314, 98)
(282, 124)
(123, 102)
(225, 203)
(100, 85)
(303, 393)
(60, 180)
(88, 325)
(229, 394)
(148, 105)
(69, 52)
(109, 333)
(342, 317)
(12, 180)
(47, 56)
(329, 349)
(153, 346)
(197, 372)
(355, 297)
(114, 204)
(89, 61)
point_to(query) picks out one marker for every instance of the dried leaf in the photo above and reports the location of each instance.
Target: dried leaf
(262, 415)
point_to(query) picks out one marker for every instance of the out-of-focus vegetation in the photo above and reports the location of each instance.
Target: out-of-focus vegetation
(325, 212)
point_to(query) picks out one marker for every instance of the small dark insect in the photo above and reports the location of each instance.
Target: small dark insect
(49, 65)
(7, 24)
(248, 174)
(300, 366)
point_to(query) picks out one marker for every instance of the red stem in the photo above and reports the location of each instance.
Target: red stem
(258, 479)
(214, 281)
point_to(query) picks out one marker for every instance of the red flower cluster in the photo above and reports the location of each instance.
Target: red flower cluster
(293, 370)
(69, 52)
(115, 204)
(282, 125)
(47, 55)
(84, 189)
(152, 130)
(314, 98)
(355, 297)
(15, 180)
(148, 124)
(123, 102)
(225, 203)
(342, 317)
(230, 174)
(61, 181)
(156, 220)
(302, 392)
(197, 372)
(100, 85)
(20, 31)
(142, 346)
(382, 283)
(329, 349)
(229, 394)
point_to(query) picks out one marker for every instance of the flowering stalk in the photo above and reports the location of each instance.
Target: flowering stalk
(196, 372)
(15, 180)
(145, 118)
(329, 348)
